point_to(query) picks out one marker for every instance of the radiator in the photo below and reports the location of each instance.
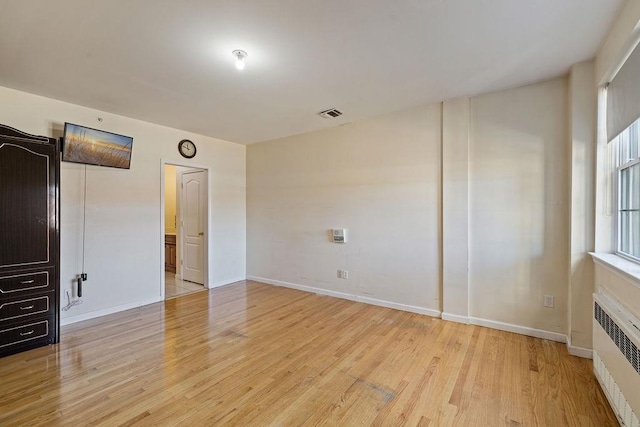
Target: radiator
(616, 358)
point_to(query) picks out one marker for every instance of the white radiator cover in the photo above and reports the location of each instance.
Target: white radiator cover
(616, 358)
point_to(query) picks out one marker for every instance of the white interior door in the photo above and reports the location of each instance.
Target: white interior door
(194, 187)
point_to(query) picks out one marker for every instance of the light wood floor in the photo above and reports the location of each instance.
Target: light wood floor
(253, 354)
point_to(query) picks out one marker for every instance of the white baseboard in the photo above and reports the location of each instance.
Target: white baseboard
(350, 297)
(455, 318)
(573, 350)
(517, 329)
(106, 311)
(225, 282)
(522, 330)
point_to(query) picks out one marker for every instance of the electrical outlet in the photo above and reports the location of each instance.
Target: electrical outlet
(345, 274)
(548, 300)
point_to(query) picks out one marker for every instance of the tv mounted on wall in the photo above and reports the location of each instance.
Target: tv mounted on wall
(96, 147)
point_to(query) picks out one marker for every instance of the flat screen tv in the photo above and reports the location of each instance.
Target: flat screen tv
(81, 144)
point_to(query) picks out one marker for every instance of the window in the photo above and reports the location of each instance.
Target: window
(628, 179)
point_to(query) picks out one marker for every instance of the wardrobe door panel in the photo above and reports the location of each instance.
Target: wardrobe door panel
(25, 205)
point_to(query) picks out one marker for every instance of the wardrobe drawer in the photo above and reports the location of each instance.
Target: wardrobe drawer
(25, 334)
(23, 307)
(19, 283)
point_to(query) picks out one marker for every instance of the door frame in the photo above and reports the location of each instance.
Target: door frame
(208, 267)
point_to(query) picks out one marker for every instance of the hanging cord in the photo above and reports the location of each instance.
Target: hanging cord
(84, 216)
(83, 275)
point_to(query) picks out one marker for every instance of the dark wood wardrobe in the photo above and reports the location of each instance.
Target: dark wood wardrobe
(29, 241)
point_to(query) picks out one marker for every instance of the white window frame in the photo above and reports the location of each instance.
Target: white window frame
(618, 192)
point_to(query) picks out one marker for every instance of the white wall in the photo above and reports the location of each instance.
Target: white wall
(124, 231)
(505, 189)
(379, 179)
(519, 206)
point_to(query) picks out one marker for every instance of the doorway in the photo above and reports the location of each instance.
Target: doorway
(185, 210)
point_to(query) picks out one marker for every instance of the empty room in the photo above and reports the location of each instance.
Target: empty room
(341, 213)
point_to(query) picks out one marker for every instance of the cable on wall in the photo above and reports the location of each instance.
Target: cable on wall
(83, 275)
(84, 217)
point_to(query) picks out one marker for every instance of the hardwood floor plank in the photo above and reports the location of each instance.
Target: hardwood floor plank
(255, 354)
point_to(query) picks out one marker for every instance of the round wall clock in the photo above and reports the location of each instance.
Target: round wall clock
(187, 148)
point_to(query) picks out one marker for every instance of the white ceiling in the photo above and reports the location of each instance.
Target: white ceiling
(170, 62)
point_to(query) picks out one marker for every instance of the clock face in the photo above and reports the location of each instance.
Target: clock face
(187, 148)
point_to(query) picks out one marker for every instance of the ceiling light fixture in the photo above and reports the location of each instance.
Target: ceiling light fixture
(240, 56)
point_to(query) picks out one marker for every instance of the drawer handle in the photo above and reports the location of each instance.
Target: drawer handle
(26, 282)
(27, 308)
(26, 333)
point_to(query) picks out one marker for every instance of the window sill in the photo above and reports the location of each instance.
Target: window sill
(628, 269)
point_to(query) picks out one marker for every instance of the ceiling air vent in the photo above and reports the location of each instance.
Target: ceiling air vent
(330, 114)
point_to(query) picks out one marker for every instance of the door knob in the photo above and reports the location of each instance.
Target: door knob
(201, 233)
